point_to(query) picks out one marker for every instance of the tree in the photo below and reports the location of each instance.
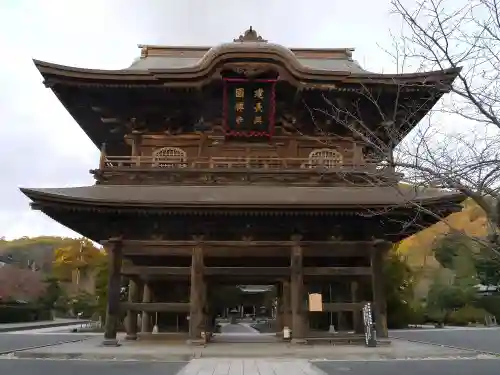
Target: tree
(399, 282)
(462, 35)
(454, 147)
(487, 268)
(53, 292)
(465, 257)
(78, 255)
(102, 274)
(20, 284)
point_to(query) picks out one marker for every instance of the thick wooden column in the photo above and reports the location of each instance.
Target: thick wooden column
(286, 305)
(357, 318)
(197, 299)
(297, 291)
(146, 317)
(114, 285)
(133, 296)
(136, 145)
(378, 253)
(279, 309)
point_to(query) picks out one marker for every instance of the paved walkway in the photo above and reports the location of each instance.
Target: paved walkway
(241, 333)
(219, 366)
(240, 328)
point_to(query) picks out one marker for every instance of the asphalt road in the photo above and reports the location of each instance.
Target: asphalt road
(10, 342)
(477, 339)
(44, 367)
(430, 367)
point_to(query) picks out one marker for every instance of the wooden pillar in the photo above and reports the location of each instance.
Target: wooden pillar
(197, 287)
(136, 144)
(378, 253)
(146, 317)
(286, 305)
(102, 158)
(357, 320)
(114, 286)
(297, 291)
(279, 310)
(133, 296)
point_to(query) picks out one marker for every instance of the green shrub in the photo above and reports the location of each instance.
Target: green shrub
(23, 313)
(466, 315)
(491, 304)
(436, 316)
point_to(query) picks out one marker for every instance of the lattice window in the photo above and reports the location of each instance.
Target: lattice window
(169, 157)
(325, 157)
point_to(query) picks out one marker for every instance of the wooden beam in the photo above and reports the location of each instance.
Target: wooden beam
(248, 271)
(343, 306)
(337, 271)
(155, 271)
(348, 249)
(243, 271)
(208, 243)
(156, 306)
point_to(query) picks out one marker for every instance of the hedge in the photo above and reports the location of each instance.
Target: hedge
(23, 313)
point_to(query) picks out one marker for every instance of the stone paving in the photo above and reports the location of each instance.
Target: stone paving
(230, 366)
(91, 349)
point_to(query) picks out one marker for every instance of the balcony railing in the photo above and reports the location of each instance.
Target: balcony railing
(238, 163)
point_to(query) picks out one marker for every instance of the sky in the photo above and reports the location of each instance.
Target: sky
(42, 146)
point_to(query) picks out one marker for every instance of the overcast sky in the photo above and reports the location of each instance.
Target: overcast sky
(41, 144)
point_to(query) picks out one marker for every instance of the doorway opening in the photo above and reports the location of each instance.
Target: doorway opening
(243, 313)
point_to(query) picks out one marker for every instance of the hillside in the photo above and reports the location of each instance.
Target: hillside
(417, 249)
(22, 252)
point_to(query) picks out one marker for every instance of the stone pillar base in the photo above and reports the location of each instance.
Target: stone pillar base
(298, 341)
(110, 342)
(131, 337)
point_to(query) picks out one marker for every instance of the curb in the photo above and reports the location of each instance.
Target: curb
(14, 351)
(40, 326)
(189, 357)
(101, 357)
(477, 351)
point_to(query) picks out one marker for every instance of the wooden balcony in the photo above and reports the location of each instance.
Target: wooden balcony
(146, 170)
(236, 163)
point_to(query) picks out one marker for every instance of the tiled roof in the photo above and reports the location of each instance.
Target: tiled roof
(246, 195)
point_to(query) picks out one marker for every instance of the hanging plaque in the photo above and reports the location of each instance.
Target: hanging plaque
(249, 107)
(315, 302)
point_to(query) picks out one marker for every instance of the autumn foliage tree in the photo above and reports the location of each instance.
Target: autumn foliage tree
(79, 255)
(20, 284)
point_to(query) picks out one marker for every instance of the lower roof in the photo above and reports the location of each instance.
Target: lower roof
(244, 195)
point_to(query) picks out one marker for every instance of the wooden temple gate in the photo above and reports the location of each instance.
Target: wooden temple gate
(213, 170)
(292, 282)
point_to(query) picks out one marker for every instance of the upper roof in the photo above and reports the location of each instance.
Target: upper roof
(154, 57)
(103, 102)
(162, 65)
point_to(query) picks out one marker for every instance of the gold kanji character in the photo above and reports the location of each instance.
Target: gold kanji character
(239, 92)
(257, 120)
(259, 93)
(258, 107)
(239, 106)
(239, 120)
